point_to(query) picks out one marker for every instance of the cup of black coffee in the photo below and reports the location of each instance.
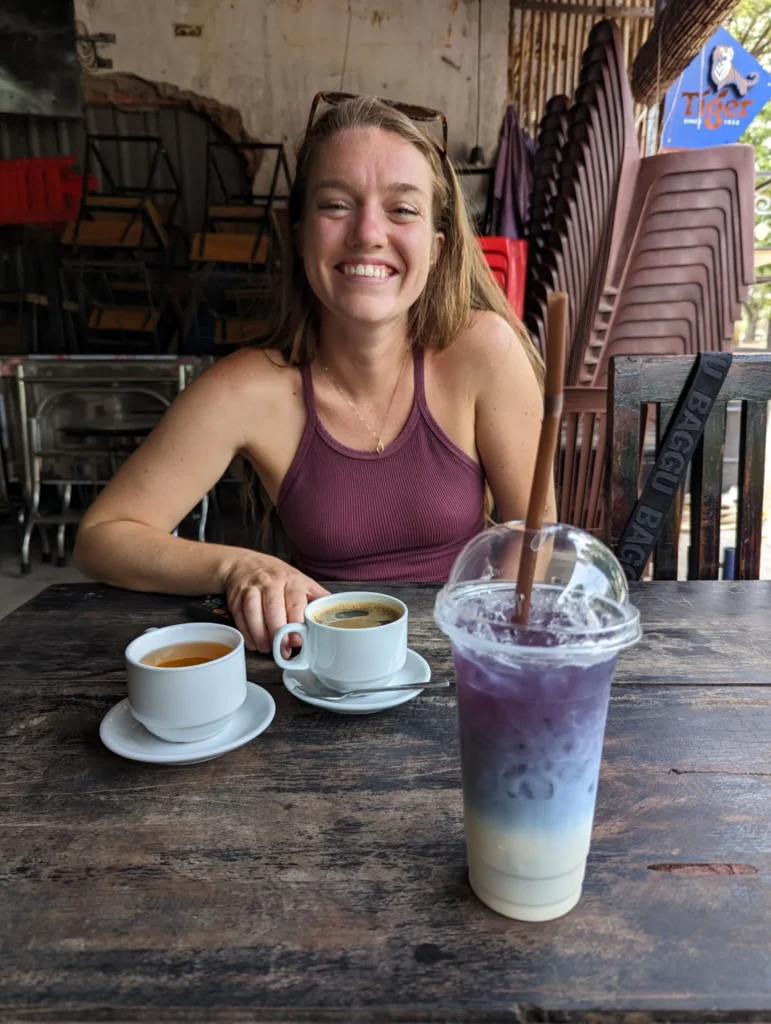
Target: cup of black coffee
(349, 641)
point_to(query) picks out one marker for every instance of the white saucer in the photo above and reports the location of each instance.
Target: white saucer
(415, 670)
(123, 734)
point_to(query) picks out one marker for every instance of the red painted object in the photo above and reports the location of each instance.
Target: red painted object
(40, 190)
(507, 258)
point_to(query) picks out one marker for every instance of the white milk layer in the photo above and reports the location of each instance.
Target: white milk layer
(525, 874)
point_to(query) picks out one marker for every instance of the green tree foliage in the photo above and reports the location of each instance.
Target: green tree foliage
(750, 24)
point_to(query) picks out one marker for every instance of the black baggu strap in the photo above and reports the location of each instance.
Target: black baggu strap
(683, 434)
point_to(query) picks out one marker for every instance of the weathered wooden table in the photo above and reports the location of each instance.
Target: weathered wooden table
(318, 874)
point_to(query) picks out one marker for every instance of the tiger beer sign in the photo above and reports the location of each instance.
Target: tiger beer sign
(716, 97)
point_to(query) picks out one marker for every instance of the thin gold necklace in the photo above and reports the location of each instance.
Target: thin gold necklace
(380, 446)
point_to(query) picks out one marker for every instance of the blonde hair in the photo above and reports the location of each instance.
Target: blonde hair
(459, 283)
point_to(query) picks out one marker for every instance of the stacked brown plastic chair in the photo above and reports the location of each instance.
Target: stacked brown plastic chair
(684, 270)
(655, 254)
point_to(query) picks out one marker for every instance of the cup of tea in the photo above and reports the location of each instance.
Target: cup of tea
(186, 682)
(349, 640)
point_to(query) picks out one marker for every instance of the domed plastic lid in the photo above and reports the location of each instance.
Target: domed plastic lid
(580, 598)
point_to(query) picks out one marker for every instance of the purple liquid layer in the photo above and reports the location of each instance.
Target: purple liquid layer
(531, 739)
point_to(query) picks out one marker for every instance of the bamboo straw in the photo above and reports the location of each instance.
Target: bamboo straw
(568, 84)
(560, 58)
(548, 56)
(532, 116)
(556, 328)
(543, 57)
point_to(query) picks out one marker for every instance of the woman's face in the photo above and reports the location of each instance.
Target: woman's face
(367, 237)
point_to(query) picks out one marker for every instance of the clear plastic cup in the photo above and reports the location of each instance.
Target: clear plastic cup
(532, 705)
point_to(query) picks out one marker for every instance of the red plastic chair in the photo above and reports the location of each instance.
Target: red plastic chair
(40, 190)
(507, 258)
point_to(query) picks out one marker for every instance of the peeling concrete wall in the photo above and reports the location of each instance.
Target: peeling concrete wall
(267, 58)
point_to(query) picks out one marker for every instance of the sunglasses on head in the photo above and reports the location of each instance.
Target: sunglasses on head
(411, 110)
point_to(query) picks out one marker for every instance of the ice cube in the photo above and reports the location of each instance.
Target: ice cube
(536, 787)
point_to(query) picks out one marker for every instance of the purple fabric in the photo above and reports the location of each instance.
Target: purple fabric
(403, 515)
(513, 182)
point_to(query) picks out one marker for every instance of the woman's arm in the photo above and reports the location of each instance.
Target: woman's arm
(509, 410)
(125, 536)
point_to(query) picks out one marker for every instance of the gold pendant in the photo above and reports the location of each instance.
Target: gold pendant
(379, 446)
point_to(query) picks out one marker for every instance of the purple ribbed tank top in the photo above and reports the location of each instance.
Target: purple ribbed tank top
(403, 515)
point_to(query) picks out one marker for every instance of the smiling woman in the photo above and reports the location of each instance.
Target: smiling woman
(367, 221)
(396, 386)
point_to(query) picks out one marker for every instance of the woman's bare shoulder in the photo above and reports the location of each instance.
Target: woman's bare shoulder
(488, 336)
(251, 374)
(249, 364)
(484, 347)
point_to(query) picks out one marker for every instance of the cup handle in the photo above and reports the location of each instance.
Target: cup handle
(301, 661)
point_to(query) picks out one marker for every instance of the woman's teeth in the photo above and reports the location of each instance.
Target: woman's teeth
(365, 270)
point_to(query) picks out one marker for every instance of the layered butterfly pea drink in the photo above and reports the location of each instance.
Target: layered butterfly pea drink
(532, 705)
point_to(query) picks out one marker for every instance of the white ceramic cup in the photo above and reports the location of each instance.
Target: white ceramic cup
(347, 659)
(183, 705)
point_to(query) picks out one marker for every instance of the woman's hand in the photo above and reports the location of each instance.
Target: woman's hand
(264, 593)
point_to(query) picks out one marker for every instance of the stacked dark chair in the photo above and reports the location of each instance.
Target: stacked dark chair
(655, 253)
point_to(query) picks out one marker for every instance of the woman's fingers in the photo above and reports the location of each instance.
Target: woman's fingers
(260, 610)
(274, 606)
(242, 627)
(296, 603)
(255, 620)
(235, 607)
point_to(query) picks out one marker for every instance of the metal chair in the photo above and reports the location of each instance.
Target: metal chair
(237, 255)
(77, 419)
(9, 512)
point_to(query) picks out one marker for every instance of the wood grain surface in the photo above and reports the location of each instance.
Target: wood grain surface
(318, 873)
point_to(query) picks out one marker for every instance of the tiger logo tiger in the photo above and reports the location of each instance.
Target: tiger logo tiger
(723, 72)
